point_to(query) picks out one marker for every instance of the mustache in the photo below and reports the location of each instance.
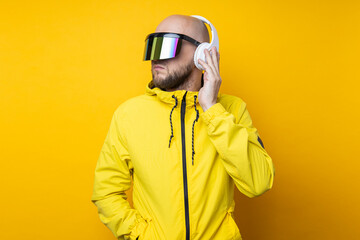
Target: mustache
(160, 62)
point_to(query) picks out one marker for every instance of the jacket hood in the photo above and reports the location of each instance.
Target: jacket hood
(168, 97)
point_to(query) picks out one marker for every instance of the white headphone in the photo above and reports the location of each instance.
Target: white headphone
(199, 52)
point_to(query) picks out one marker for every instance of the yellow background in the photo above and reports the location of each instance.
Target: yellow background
(66, 65)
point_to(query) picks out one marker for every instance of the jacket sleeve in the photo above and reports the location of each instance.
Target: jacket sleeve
(112, 178)
(240, 148)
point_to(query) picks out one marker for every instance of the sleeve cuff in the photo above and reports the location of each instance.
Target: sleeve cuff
(212, 112)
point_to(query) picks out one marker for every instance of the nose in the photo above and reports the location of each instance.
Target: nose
(157, 61)
(160, 62)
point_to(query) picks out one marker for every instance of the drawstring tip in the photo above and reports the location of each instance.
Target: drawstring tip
(170, 140)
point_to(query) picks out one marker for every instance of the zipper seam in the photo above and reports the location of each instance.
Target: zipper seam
(186, 201)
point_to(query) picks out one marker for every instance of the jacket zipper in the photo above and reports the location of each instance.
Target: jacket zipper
(183, 107)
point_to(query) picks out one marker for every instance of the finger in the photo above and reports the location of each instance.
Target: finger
(209, 59)
(206, 66)
(214, 58)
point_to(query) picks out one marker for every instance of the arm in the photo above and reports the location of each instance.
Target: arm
(240, 148)
(112, 178)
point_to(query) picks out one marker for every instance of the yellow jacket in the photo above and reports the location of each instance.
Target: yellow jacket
(184, 163)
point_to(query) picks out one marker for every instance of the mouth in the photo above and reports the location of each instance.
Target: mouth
(158, 67)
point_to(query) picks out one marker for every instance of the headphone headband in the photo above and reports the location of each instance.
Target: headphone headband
(214, 36)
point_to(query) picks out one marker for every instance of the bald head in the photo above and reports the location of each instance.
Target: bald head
(184, 24)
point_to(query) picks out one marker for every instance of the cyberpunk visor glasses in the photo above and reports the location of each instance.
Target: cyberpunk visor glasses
(164, 45)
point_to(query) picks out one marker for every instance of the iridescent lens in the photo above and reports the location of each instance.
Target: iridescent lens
(161, 48)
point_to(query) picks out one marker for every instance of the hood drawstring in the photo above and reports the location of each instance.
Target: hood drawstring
(197, 117)
(176, 101)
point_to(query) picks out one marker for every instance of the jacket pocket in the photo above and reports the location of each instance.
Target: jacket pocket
(140, 228)
(147, 233)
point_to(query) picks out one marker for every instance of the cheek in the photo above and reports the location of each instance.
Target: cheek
(187, 56)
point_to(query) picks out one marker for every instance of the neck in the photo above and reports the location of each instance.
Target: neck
(193, 83)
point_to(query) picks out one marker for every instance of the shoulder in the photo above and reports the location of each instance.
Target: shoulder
(231, 103)
(130, 106)
(236, 106)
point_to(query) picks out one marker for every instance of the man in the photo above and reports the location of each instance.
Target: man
(185, 145)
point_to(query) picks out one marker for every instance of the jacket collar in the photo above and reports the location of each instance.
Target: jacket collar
(168, 98)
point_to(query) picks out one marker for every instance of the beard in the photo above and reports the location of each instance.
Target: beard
(173, 79)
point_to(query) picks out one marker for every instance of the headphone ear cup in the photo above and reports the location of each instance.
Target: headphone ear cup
(199, 54)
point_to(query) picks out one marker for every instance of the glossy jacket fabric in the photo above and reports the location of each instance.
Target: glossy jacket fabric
(184, 163)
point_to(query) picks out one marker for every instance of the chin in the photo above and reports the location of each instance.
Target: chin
(157, 78)
(158, 82)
